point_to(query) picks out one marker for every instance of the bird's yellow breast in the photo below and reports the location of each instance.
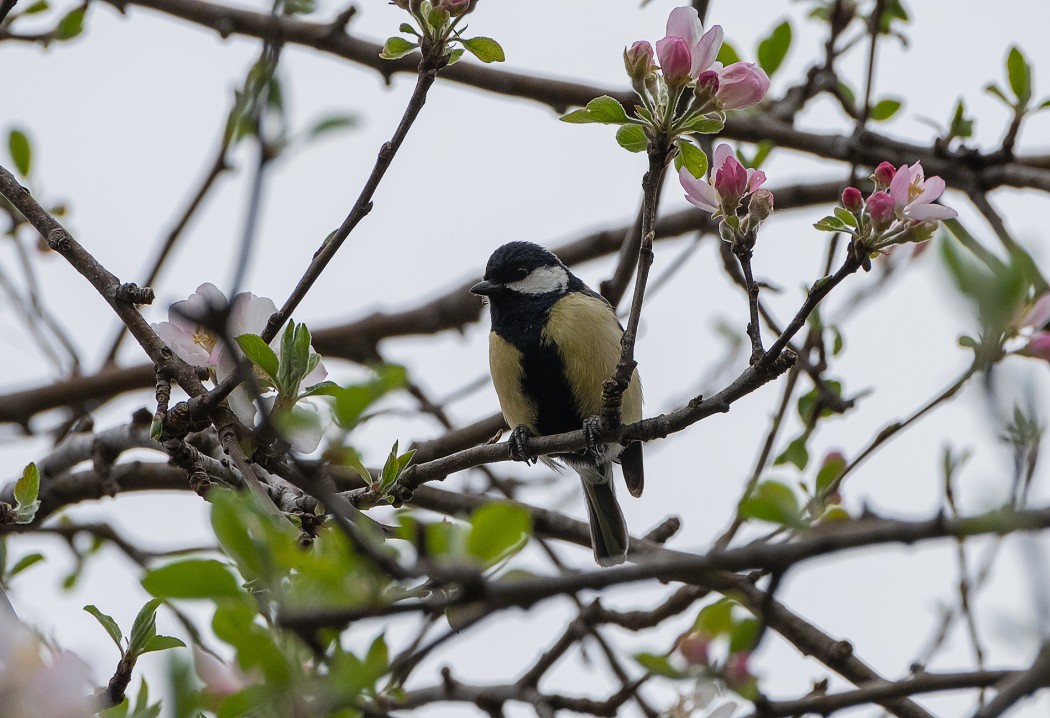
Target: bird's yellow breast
(586, 334)
(506, 368)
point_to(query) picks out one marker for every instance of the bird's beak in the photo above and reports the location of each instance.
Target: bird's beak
(484, 288)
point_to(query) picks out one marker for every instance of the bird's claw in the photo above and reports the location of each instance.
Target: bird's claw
(593, 431)
(519, 450)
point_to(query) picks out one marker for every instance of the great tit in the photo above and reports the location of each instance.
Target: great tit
(554, 341)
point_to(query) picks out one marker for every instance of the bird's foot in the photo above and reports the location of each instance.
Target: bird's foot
(593, 431)
(519, 451)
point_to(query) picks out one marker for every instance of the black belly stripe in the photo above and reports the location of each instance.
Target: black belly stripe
(543, 380)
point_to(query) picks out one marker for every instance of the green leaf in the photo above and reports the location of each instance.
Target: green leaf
(832, 468)
(393, 467)
(109, 624)
(844, 216)
(352, 401)
(960, 125)
(604, 110)
(658, 665)
(378, 657)
(704, 125)
(727, 54)
(993, 89)
(774, 502)
(485, 49)
(497, 530)
(743, 634)
(716, 618)
(71, 25)
(1020, 76)
(299, 7)
(332, 123)
(691, 157)
(21, 151)
(396, 47)
(831, 224)
(773, 49)
(25, 562)
(849, 97)
(407, 29)
(161, 643)
(193, 578)
(260, 354)
(145, 627)
(455, 56)
(884, 109)
(632, 138)
(26, 490)
(37, 7)
(324, 388)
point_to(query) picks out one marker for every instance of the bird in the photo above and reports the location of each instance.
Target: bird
(553, 343)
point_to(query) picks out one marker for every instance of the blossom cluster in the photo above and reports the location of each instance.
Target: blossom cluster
(724, 193)
(900, 209)
(200, 346)
(687, 57)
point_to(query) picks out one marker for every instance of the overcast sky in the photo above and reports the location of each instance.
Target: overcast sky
(125, 119)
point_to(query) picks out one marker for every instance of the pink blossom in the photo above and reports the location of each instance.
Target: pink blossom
(737, 671)
(913, 195)
(695, 648)
(1035, 327)
(248, 314)
(883, 175)
(731, 182)
(455, 8)
(684, 24)
(191, 342)
(638, 59)
(852, 199)
(880, 210)
(741, 85)
(674, 59)
(220, 679)
(698, 191)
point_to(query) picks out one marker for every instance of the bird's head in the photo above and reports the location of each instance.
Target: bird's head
(522, 268)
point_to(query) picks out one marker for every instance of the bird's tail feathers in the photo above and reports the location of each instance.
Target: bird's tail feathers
(608, 528)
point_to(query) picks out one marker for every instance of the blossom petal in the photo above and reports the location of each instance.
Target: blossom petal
(924, 212)
(706, 49)
(900, 187)
(931, 190)
(684, 22)
(1038, 316)
(722, 153)
(698, 192)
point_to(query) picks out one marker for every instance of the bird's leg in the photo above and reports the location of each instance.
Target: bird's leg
(593, 432)
(518, 449)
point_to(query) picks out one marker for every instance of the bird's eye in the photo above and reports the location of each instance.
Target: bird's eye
(520, 272)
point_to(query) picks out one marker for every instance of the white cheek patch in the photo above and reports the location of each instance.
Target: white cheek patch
(542, 280)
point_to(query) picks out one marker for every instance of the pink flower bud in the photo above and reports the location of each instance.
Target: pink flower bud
(883, 175)
(675, 59)
(694, 648)
(741, 85)
(880, 210)
(638, 60)
(706, 87)
(852, 199)
(1038, 346)
(455, 8)
(731, 181)
(759, 208)
(737, 672)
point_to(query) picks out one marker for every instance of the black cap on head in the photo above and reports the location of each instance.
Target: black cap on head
(519, 254)
(512, 263)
